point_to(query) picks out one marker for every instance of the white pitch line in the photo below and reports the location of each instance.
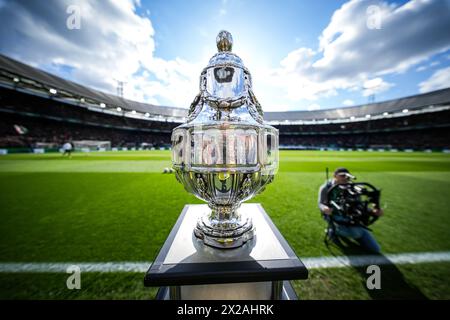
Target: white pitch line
(310, 263)
(39, 267)
(358, 261)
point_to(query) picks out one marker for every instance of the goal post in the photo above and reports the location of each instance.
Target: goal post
(91, 145)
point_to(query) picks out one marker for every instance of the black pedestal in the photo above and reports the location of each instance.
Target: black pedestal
(185, 268)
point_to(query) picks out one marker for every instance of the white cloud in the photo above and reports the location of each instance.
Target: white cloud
(438, 80)
(374, 86)
(313, 106)
(351, 54)
(114, 42)
(434, 64)
(421, 68)
(350, 48)
(348, 102)
(430, 65)
(373, 83)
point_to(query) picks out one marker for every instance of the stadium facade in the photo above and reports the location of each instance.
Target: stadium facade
(42, 111)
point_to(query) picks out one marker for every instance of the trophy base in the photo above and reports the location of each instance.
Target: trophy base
(224, 234)
(186, 268)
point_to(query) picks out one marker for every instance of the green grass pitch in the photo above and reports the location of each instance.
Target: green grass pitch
(118, 206)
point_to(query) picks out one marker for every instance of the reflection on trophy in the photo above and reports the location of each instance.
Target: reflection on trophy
(225, 154)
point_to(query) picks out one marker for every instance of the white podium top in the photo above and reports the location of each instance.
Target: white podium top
(186, 260)
(186, 248)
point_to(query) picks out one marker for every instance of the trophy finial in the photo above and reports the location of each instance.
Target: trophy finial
(224, 41)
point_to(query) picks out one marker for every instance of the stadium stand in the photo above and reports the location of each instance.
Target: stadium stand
(54, 122)
(38, 108)
(417, 131)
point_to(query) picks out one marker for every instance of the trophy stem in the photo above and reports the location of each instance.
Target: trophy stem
(224, 213)
(223, 227)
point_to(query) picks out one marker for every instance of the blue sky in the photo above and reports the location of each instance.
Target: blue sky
(303, 55)
(183, 26)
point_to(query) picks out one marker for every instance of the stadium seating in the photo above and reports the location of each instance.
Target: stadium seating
(417, 131)
(54, 122)
(75, 112)
(51, 121)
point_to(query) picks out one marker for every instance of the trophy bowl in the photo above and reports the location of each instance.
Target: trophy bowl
(225, 154)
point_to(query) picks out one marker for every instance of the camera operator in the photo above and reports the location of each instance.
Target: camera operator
(338, 224)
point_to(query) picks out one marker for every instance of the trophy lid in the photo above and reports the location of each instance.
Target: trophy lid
(224, 42)
(225, 88)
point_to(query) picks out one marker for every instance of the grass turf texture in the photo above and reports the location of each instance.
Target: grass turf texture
(117, 206)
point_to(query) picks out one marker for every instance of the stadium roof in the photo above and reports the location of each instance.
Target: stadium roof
(51, 81)
(47, 80)
(438, 97)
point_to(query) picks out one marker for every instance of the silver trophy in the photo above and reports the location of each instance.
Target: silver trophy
(225, 154)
